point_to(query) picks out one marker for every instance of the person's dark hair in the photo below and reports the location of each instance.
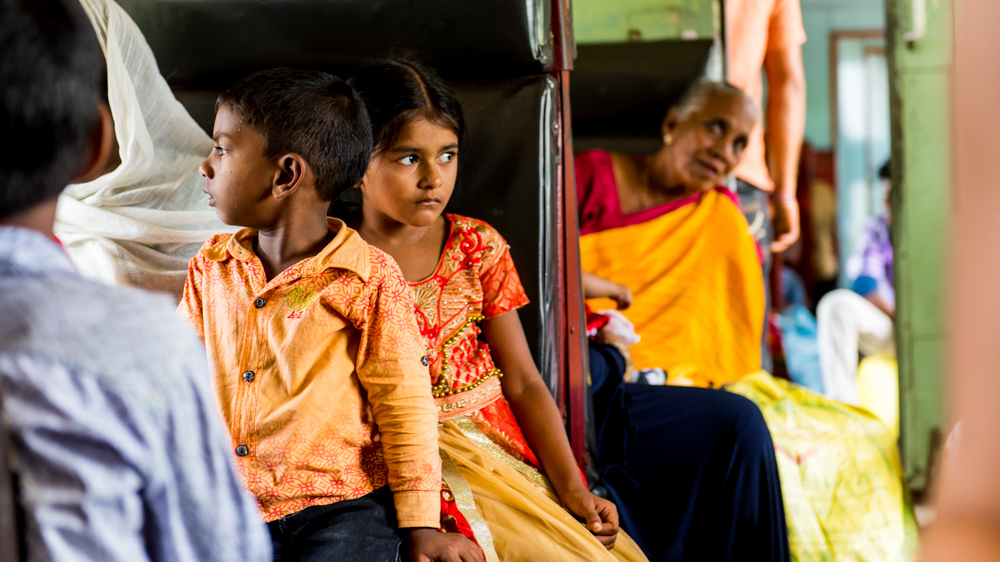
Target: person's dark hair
(313, 114)
(51, 77)
(398, 91)
(885, 172)
(701, 91)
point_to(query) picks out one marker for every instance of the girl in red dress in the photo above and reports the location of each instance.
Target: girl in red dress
(511, 482)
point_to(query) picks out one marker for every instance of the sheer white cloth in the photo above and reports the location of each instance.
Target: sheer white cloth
(142, 223)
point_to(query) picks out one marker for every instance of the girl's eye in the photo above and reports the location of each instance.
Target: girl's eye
(220, 150)
(448, 157)
(409, 159)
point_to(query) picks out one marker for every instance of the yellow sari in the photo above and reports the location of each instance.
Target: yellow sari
(697, 286)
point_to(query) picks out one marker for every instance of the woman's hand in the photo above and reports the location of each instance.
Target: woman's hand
(431, 545)
(595, 287)
(598, 514)
(622, 297)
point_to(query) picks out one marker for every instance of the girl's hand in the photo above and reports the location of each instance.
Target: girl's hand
(598, 514)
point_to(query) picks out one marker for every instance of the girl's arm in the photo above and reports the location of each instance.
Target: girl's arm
(542, 424)
(595, 287)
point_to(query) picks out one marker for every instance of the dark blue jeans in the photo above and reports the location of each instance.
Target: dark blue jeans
(692, 470)
(359, 529)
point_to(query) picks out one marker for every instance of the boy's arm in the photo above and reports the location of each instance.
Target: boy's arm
(391, 367)
(190, 308)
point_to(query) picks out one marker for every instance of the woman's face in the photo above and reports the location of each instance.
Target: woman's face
(708, 143)
(412, 180)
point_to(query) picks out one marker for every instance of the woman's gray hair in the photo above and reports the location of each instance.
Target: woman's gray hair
(703, 89)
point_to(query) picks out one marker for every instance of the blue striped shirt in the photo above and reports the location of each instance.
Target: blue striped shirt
(116, 439)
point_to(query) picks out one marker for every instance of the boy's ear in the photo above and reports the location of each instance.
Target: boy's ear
(102, 144)
(293, 172)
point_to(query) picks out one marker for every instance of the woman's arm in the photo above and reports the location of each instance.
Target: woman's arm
(542, 424)
(595, 287)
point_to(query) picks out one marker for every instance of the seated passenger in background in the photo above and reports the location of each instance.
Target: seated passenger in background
(318, 363)
(115, 438)
(697, 300)
(511, 482)
(860, 319)
(660, 225)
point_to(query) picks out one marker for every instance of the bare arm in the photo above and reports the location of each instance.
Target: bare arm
(786, 123)
(595, 287)
(542, 424)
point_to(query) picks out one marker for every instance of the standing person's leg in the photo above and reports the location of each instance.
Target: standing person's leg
(360, 529)
(758, 215)
(848, 323)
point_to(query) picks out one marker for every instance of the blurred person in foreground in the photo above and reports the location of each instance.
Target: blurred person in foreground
(768, 34)
(860, 318)
(116, 443)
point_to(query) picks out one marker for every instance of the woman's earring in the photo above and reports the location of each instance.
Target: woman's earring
(668, 139)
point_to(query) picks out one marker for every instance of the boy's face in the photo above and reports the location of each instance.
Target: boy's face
(238, 176)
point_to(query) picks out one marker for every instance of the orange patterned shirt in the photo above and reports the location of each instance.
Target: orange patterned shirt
(475, 280)
(320, 374)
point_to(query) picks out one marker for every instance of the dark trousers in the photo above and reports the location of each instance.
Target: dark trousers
(692, 470)
(359, 529)
(755, 209)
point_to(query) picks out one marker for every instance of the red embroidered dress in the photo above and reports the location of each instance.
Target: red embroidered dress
(475, 280)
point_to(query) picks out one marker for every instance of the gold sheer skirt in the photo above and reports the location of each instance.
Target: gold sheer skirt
(517, 516)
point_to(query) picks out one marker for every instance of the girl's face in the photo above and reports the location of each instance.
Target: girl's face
(412, 180)
(709, 142)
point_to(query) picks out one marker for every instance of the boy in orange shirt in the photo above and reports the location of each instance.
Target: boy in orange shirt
(319, 366)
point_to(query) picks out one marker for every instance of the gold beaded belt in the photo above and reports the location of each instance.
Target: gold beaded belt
(468, 401)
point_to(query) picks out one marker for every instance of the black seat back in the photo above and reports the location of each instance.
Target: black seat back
(621, 91)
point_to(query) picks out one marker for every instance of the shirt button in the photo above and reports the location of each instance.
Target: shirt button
(248, 376)
(425, 360)
(260, 302)
(242, 451)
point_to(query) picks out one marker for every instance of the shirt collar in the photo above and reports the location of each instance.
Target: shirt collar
(347, 251)
(28, 251)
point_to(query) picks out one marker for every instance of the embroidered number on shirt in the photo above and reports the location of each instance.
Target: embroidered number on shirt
(298, 300)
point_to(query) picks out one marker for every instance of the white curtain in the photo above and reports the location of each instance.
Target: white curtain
(141, 223)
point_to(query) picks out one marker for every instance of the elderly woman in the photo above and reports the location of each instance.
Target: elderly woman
(661, 225)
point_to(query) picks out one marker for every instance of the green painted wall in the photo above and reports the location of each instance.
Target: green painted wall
(920, 78)
(606, 21)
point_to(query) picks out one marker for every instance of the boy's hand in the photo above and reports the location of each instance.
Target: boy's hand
(431, 545)
(623, 297)
(598, 514)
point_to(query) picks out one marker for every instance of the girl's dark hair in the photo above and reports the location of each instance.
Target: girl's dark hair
(397, 91)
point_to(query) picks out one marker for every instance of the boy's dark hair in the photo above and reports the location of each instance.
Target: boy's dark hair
(51, 79)
(885, 172)
(399, 91)
(310, 113)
